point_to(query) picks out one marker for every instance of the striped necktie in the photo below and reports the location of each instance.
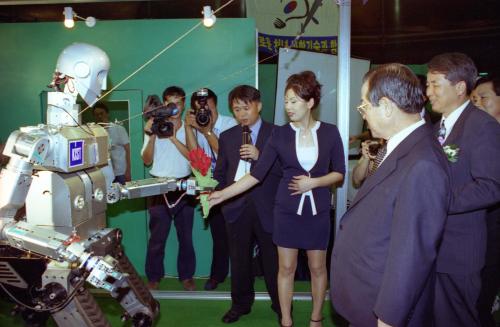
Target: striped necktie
(442, 132)
(378, 159)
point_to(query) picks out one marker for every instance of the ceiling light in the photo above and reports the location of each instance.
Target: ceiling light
(70, 15)
(208, 16)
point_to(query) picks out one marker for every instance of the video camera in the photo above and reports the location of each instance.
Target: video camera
(154, 108)
(202, 113)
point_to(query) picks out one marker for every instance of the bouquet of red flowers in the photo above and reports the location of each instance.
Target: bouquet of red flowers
(200, 165)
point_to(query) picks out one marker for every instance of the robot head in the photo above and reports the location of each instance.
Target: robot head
(88, 66)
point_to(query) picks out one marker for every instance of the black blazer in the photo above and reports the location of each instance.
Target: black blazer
(263, 194)
(283, 146)
(385, 251)
(476, 186)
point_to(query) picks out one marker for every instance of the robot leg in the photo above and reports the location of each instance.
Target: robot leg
(70, 303)
(130, 290)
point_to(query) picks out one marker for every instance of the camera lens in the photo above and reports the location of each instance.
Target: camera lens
(162, 128)
(203, 117)
(165, 129)
(373, 148)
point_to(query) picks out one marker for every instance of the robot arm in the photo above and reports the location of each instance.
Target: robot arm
(25, 149)
(62, 247)
(153, 186)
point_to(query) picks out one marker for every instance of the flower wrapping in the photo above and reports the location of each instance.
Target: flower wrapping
(452, 151)
(200, 165)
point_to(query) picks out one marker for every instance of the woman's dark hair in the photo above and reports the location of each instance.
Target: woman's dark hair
(305, 85)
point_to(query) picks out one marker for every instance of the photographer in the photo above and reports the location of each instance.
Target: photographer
(367, 164)
(203, 126)
(164, 149)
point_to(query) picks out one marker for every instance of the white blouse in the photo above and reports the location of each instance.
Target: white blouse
(307, 157)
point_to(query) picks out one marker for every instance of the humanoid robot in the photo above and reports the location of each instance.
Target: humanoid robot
(61, 173)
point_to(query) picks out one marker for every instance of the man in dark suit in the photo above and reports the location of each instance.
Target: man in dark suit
(383, 260)
(475, 177)
(488, 90)
(249, 217)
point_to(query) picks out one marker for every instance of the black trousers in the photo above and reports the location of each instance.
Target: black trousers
(220, 251)
(490, 274)
(242, 234)
(160, 220)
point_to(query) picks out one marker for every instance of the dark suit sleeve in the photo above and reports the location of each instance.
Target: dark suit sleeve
(484, 189)
(266, 158)
(337, 160)
(221, 166)
(420, 212)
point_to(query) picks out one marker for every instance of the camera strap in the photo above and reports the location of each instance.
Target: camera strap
(213, 156)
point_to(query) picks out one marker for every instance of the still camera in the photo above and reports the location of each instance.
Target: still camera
(202, 112)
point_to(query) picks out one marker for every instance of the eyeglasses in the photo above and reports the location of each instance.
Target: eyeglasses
(362, 108)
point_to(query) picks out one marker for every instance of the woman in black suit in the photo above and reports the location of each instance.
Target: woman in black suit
(312, 159)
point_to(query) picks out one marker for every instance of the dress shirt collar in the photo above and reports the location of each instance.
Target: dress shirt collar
(399, 137)
(317, 123)
(452, 118)
(422, 113)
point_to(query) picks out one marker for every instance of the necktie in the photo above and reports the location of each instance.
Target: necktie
(378, 159)
(253, 136)
(442, 132)
(213, 156)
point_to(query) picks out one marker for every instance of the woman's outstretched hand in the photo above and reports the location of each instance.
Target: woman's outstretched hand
(215, 198)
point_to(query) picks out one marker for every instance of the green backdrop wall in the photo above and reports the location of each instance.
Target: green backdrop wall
(268, 75)
(219, 58)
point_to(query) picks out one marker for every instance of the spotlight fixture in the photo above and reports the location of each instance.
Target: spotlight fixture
(208, 16)
(70, 15)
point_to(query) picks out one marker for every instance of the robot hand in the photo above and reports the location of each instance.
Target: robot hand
(104, 273)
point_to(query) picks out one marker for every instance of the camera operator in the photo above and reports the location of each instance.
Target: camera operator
(203, 126)
(168, 156)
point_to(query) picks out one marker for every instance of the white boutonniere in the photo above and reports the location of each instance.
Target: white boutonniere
(451, 151)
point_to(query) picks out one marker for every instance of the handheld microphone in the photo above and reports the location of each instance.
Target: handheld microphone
(246, 137)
